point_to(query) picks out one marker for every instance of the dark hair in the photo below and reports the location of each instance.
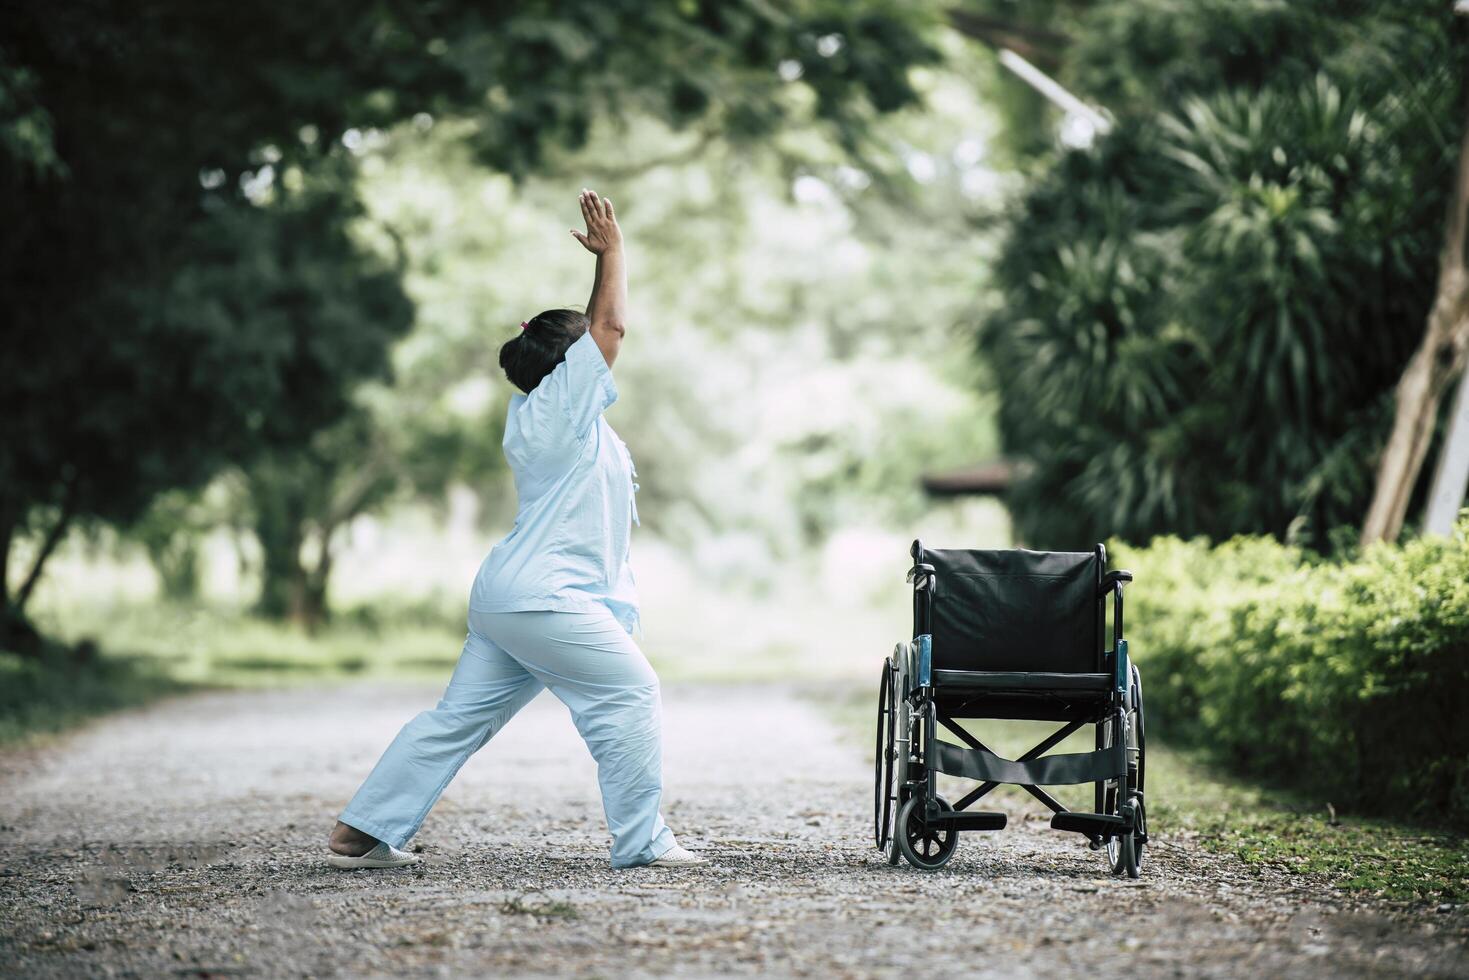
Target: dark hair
(532, 354)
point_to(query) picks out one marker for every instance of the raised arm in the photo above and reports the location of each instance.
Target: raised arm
(607, 307)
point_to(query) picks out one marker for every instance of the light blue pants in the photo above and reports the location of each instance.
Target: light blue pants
(598, 672)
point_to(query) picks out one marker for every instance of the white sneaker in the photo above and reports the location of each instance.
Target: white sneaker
(677, 857)
(384, 855)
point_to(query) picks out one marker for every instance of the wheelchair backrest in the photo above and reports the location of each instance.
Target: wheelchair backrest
(1016, 610)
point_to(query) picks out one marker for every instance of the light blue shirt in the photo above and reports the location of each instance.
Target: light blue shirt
(568, 551)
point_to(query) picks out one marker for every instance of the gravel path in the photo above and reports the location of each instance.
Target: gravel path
(186, 840)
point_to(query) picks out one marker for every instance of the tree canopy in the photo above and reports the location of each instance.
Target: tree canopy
(1198, 322)
(186, 276)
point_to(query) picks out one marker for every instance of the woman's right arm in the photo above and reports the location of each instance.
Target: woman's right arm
(607, 308)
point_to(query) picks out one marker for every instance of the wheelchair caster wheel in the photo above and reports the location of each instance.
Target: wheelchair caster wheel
(1125, 851)
(892, 851)
(925, 847)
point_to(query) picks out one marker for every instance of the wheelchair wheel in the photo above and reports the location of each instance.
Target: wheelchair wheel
(1126, 862)
(884, 792)
(926, 848)
(1125, 851)
(1139, 839)
(902, 717)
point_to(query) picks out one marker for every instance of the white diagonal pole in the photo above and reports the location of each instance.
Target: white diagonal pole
(1451, 475)
(1053, 90)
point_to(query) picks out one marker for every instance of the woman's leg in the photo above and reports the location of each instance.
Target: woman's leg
(487, 689)
(595, 668)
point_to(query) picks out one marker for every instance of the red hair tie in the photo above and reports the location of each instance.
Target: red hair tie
(523, 324)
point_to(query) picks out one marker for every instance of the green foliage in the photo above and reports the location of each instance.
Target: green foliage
(185, 278)
(25, 127)
(1138, 57)
(1142, 55)
(134, 387)
(1345, 679)
(1197, 324)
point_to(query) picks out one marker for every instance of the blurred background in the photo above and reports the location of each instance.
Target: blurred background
(1184, 276)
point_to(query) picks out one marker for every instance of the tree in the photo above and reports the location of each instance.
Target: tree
(250, 345)
(1197, 322)
(171, 175)
(1438, 360)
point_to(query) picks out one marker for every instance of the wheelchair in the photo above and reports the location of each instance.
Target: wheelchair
(1009, 635)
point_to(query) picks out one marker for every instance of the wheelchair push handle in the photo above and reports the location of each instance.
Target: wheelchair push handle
(1113, 580)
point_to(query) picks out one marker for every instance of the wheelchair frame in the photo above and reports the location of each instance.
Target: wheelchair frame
(909, 754)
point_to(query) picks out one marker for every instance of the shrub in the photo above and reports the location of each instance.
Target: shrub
(56, 687)
(1347, 679)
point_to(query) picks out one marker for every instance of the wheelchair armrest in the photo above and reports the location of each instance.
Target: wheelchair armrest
(920, 569)
(1113, 580)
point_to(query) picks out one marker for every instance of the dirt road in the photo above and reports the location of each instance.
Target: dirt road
(186, 840)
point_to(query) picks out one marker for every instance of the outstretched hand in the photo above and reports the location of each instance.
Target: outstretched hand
(602, 233)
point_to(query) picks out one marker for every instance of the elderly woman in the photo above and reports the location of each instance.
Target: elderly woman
(553, 605)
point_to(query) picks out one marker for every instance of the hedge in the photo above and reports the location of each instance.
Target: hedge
(1347, 680)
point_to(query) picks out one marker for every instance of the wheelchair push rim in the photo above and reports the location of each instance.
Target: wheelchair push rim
(884, 792)
(891, 753)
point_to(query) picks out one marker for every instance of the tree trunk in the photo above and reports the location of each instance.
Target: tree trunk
(282, 579)
(290, 589)
(1435, 364)
(48, 545)
(7, 534)
(10, 620)
(278, 521)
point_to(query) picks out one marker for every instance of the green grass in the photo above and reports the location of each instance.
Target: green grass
(1261, 827)
(55, 691)
(1275, 828)
(1387, 860)
(217, 645)
(144, 651)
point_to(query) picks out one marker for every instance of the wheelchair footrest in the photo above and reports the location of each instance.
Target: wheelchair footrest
(1091, 824)
(971, 820)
